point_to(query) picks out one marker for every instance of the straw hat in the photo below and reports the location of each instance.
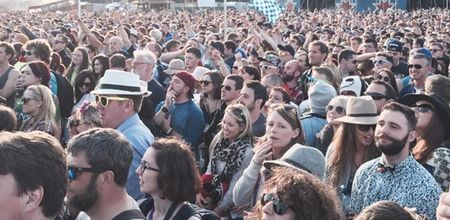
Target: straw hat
(360, 110)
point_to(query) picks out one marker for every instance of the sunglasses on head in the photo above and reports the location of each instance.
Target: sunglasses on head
(338, 109)
(204, 82)
(380, 61)
(278, 205)
(28, 53)
(376, 96)
(73, 171)
(104, 100)
(365, 128)
(384, 78)
(423, 108)
(144, 166)
(228, 88)
(416, 66)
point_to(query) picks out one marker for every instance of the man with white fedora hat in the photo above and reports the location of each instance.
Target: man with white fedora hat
(119, 97)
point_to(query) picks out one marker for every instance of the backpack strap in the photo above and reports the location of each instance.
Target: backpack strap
(130, 214)
(186, 211)
(169, 212)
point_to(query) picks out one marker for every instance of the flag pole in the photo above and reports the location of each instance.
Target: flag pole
(225, 20)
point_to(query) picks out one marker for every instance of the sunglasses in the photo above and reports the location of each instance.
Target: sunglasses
(422, 108)
(376, 96)
(266, 67)
(375, 62)
(338, 109)
(416, 66)
(354, 61)
(28, 53)
(228, 88)
(73, 171)
(384, 78)
(144, 166)
(26, 100)
(89, 85)
(365, 128)
(104, 100)
(435, 50)
(278, 206)
(204, 82)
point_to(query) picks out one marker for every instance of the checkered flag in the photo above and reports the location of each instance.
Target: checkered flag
(269, 8)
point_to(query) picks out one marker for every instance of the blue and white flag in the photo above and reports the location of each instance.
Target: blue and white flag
(270, 8)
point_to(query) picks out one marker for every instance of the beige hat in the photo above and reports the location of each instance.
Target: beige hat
(199, 71)
(360, 110)
(175, 66)
(116, 82)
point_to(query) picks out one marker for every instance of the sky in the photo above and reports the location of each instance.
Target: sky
(21, 4)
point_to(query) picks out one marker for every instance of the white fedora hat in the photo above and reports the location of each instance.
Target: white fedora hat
(360, 110)
(116, 82)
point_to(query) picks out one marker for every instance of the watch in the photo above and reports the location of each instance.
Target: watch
(164, 109)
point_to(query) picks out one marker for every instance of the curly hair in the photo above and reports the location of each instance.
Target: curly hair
(306, 195)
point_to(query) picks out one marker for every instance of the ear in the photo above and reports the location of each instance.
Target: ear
(296, 132)
(106, 178)
(129, 105)
(34, 199)
(258, 103)
(412, 136)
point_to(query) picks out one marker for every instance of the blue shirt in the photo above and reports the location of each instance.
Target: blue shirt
(312, 125)
(410, 185)
(140, 139)
(187, 120)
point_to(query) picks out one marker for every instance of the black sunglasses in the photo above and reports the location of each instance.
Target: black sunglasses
(435, 50)
(204, 82)
(28, 52)
(416, 66)
(380, 61)
(365, 128)
(384, 78)
(339, 109)
(376, 96)
(278, 205)
(72, 171)
(423, 108)
(228, 88)
(144, 166)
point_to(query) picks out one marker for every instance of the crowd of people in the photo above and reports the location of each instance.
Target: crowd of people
(161, 115)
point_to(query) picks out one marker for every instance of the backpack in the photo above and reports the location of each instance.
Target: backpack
(185, 212)
(65, 95)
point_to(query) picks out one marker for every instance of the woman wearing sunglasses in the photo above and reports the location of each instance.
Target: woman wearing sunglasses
(84, 118)
(387, 76)
(38, 103)
(210, 101)
(335, 109)
(231, 152)
(432, 149)
(169, 174)
(293, 194)
(282, 132)
(352, 145)
(84, 84)
(80, 62)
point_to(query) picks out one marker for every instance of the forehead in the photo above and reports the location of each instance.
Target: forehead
(417, 60)
(78, 160)
(247, 90)
(395, 117)
(229, 82)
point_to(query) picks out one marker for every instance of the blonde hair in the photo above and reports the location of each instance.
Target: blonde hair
(241, 114)
(48, 110)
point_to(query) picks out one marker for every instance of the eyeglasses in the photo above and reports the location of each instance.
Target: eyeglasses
(26, 100)
(72, 171)
(354, 61)
(278, 205)
(376, 96)
(338, 109)
(144, 166)
(266, 67)
(204, 82)
(104, 100)
(28, 53)
(365, 128)
(84, 84)
(384, 78)
(380, 61)
(422, 108)
(228, 88)
(416, 66)
(435, 50)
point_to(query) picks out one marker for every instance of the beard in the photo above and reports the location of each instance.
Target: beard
(394, 148)
(85, 200)
(287, 78)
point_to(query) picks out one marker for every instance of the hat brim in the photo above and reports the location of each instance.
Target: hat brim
(441, 106)
(274, 163)
(119, 92)
(371, 120)
(173, 72)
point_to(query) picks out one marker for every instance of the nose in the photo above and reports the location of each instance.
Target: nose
(268, 209)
